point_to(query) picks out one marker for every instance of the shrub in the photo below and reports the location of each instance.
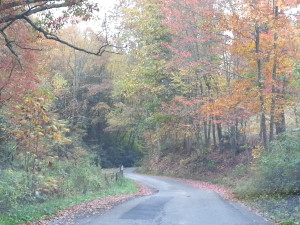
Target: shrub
(240, 170)
(86, 178)
(276, 171)
(62, 179)
(76, 178)
(14, 189)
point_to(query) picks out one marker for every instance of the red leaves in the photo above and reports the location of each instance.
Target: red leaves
(188, 102)
(189, 25)
(16, 79)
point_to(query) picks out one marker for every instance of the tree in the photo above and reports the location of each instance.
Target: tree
(200, 72)
(17, 79)
(17, 11)
(142, 85)
(261, 42)
(196, 57)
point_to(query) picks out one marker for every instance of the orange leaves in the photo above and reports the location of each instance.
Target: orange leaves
(241, 102)
(33, 125)
(264, 46)
(18, 78)
(57, 137)
(288, 3)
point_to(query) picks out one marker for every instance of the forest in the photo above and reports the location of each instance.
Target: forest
(202, 89)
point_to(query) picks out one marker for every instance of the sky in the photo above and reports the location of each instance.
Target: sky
(105, 3)
(105, 6)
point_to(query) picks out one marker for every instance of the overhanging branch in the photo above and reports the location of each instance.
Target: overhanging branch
(18, 10)
(8, 44)
(54, 37)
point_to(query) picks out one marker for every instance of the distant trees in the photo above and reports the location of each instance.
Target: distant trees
(83, 88)
(196, 75)
(53, 85)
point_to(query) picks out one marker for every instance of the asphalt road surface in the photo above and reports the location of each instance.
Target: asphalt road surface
(175, 203)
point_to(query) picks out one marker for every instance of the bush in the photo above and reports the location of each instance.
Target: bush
(240, 170)
(276, 172)
(76, 178)
(14, 189)
(62, 179)
(85, 179)
(7, 144)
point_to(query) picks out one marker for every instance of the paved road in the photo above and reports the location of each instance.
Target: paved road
(175, 203)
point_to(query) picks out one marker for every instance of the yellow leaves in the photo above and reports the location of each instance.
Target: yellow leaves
(46, 118)
(23, 122)
(57, 137)
(287, 3)
(59, 83)
(40, 134)
(65, 130)
(257, 152)
(242, 130)
(34, 125)
(67, 141)
(35, 121)
(54, 128)
(47, 184)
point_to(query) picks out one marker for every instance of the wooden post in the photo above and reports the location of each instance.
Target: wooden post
(121, 171)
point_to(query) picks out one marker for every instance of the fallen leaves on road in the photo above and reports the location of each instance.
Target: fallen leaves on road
(208, 186)
(97, 206)
(225, 193)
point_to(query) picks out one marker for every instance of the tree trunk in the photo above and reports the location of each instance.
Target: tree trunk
(205, 133)
(280, 124)
(274, 77)
(263, 127)
(232, 140)
(219, 131)
(214, 134)
(208, 134)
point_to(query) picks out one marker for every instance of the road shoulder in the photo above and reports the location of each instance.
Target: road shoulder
(98, 206)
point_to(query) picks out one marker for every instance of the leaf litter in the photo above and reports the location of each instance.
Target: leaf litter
(98, 206)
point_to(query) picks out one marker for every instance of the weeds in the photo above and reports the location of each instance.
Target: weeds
(34, 212)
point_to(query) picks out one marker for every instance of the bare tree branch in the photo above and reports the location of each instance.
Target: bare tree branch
(22, 10)
(30, 12)
(28, 48)
(56, 38)
(7, 25)
(20, 3)
(8, 44)
(8, 79)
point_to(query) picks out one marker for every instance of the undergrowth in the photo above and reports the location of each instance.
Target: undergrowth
(21, 214)
(271, 183)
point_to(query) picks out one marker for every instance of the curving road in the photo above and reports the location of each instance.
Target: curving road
(175, 203)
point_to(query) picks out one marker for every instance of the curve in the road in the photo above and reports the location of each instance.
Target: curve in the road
(175, 203)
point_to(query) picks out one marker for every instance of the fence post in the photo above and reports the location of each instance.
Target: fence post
(121, 171)
(117, 176)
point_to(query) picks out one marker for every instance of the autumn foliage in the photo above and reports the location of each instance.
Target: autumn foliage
(219, 70)
(187, 78)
